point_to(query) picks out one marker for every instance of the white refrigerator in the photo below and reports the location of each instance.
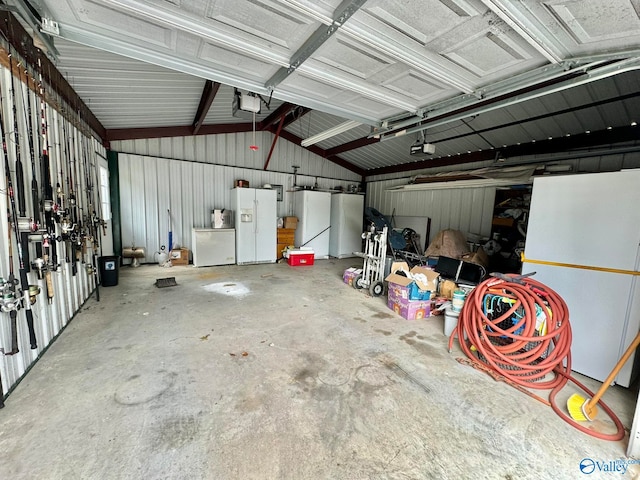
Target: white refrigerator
(345, 236)
(256, 221)
(313, 210)
(591, 220)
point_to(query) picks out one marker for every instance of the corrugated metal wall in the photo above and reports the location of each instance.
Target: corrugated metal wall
(151, 186)
(466, 209)
(70, 291)
(469, 210)
(233, 149)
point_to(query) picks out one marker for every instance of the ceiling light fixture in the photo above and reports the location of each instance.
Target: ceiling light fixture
(332, 132)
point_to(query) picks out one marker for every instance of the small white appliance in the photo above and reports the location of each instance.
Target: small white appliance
(221, 218)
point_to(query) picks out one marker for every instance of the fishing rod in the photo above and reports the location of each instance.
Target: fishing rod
(91, 227)
(49, 238)
(59, 207)
(74, 200)
(10, 299)
(28, 114)
(39, 237)
(100, 224)
(27, 295)
(39, 262)
(67, 222)
(9, 302)
(94, 220)
(16, 140)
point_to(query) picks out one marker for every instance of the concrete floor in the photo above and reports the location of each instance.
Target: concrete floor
(275, 372)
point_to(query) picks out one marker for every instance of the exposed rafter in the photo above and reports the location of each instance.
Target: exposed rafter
(557, 145)
(523, 121)
(208, 94)
(276, 116)
(284, 114)
(353, 145)
(275, 139)
(175, 131)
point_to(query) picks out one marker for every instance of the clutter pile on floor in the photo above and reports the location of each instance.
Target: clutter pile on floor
(508, 325)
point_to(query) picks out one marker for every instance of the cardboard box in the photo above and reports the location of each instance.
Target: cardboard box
(297, 258)
(447, 288)
(291, 222)
(399, 288)
(179, 256)
(412, 309)
(503, 221)
(349, 274)
(430, 284)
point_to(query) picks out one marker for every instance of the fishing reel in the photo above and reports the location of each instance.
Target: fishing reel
(60, 212)
(27, 225)
(11, 298)
(49, 206)
(8, 299)
(34, 291)
(66, 225)
(40, 266)
(98, 223)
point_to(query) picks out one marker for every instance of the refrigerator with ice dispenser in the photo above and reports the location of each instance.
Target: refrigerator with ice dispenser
(256, 222)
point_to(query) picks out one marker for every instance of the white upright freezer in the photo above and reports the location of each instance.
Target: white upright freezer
(345, 236)
(313, 210)
(591, 220)
(256, 222)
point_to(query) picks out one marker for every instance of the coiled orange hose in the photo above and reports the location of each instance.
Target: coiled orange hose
(520, 353)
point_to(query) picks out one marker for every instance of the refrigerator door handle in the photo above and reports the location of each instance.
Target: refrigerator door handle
(255, 224)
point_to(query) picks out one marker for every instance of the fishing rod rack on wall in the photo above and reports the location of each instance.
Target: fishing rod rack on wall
(49, 187)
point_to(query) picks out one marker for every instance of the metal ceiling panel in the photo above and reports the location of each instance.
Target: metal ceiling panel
(125, 93)
(584, 27)
(143, 63)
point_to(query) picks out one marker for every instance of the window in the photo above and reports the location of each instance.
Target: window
(105, 197)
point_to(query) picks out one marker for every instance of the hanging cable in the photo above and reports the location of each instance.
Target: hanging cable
(254, 146)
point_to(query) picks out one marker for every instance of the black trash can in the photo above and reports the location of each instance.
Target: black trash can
(109, 266)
